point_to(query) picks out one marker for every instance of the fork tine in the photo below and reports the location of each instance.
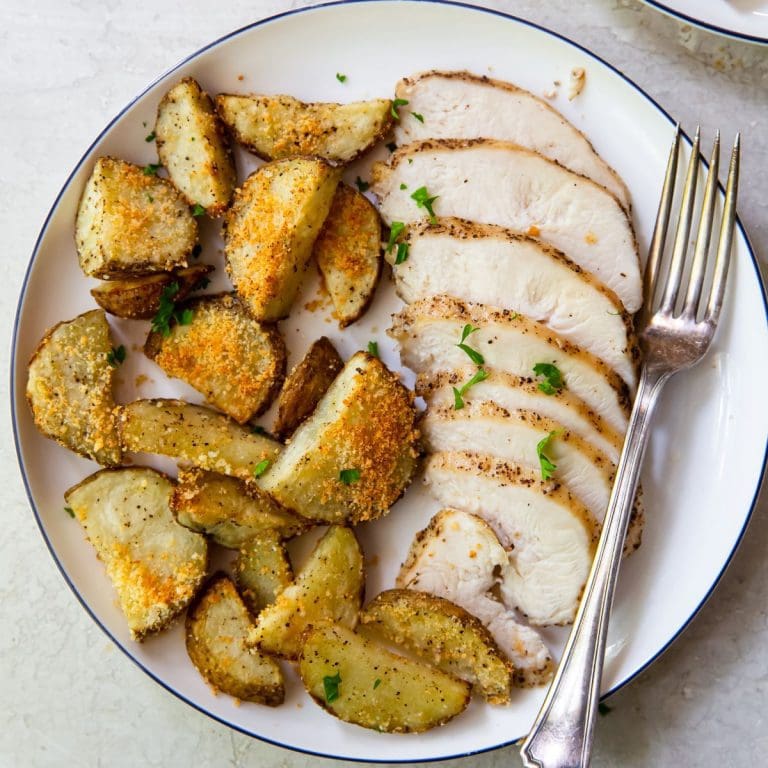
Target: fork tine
(677, 262)
(662, 225)
(726, 236)
(704, 235)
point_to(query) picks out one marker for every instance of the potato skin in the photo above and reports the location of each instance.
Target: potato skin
(270, 229)
(377, 689)
(305, 386)
(131, 223)
(348, 254)
(275, 127)
(216, 627)
(232, 359)
(69, 388)
(193, 145)
(139, 298)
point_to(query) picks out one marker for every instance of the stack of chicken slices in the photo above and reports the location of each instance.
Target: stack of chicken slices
(514, 251)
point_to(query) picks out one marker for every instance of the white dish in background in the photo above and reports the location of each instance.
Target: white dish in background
(707, 453)
(742, 19)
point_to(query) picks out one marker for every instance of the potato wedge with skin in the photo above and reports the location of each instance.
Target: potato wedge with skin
(356, 454)
(270, 229)
(235, 361)
(69, 388)
(131, 222)
(443, 634)
(262, 570)
(194, 434)
(274, 127)
(376, 688)
(216, 628)
(193, 145)
(155, 565)
(305, 386)
(229, 510)
(348, 253)
(329, 587)
(138, 298)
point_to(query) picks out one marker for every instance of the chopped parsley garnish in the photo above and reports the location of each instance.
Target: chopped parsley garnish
(361, 185)
(149, 138)
(410, 161)
(197, 210)
(167, 312)
(472, 354)
(197, 250)
(376, 683)
(603, 709)
(394, 232)
(553, 378)
(331, 687)
(71, 513)
(458, 394)
(396, 104)
(151, 169)
(547, 467)
(403, 186)
(373, 348)
(423, 200)
(341, 78)
(150, 198)
(349, 476)
(257, 429)
(402, 253)
(419, 117)
(391, 146)
(261, 467)
(116, 355)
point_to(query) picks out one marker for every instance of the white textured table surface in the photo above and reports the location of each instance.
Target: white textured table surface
(68, 697)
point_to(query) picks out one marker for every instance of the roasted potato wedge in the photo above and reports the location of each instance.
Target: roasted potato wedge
(305, 386)
(275, 127)
(138, 298)
(193, 145)
(262, 570)
(69, 388)
(229, 510)
(235, 361)
(443, 634)
(363, 683)
(271, 228)
(329, 587)
(131, 222)
(155, 565)
(195, 435)
(217, 626)
(356, 454)
(348, 253)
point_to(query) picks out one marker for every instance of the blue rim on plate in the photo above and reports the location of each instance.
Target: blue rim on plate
(733, 34)
(14, 342)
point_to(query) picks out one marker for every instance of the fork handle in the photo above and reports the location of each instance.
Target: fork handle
(562, 734)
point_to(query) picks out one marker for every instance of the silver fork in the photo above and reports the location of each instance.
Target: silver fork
(676, 332)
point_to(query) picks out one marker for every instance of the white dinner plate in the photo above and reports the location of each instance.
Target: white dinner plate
(707, 453)
(742, 19)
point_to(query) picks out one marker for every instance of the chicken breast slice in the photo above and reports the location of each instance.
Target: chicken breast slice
(495, 182)
(515, 393)
(495, 266)
(429, 331)
(457, 557)
(460, 105)
(487, 428)
(548, 534)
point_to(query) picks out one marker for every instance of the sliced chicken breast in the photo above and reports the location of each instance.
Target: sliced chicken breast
(523, 394)
(487, 428)
(548, 534)
(459, 105)
(429, 331)
(457, 557)
(495, 266)
(495, 182)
